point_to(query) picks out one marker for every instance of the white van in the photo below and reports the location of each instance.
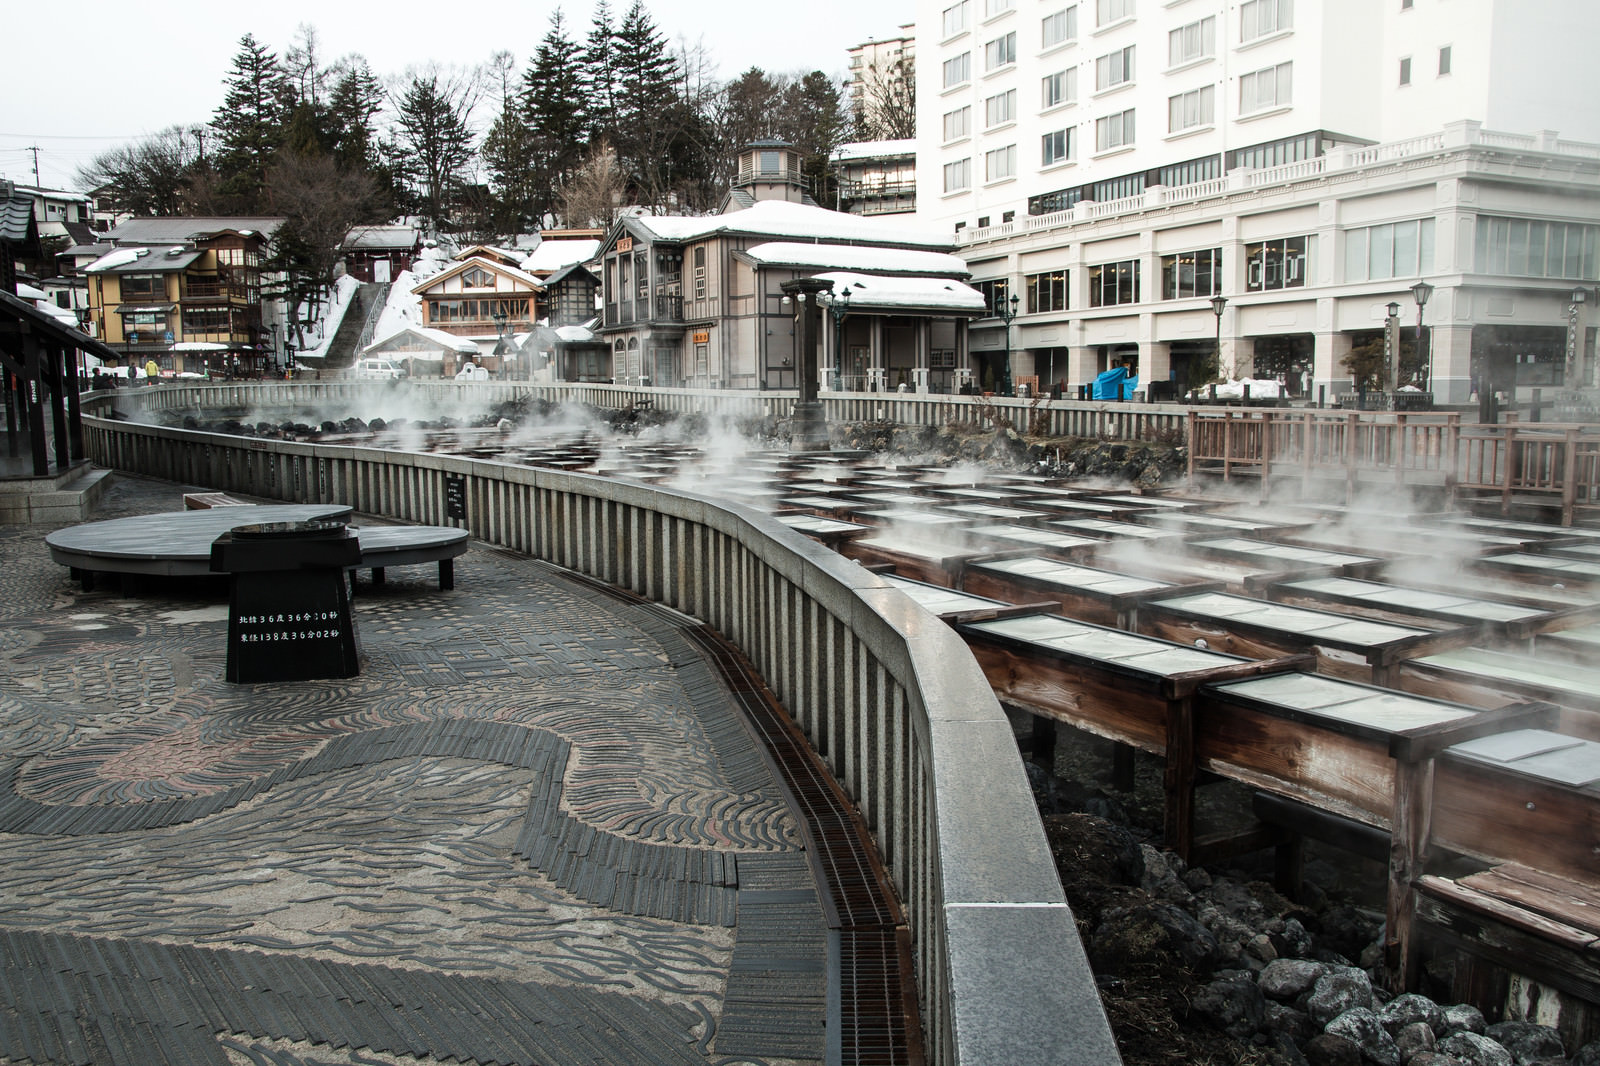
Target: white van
(376, 369)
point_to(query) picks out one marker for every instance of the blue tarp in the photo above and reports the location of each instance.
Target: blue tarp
(1114, 384)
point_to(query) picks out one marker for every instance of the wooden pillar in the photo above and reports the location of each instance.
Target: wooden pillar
(1408, 842)
(55, 377)
(32, 387)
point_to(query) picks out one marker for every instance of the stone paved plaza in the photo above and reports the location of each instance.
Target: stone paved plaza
(534, 829)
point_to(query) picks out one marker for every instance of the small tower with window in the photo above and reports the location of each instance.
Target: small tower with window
(768, 170)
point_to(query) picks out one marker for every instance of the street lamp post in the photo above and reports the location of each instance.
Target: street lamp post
(1420, 293)
(1218, 304)
(1008, 311)
(838, 305)
(1391, 350)
(809, 428)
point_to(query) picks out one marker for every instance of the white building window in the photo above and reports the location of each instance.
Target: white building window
(958, 175)
(991, 8)
(1056, 147)
(1000, 163)
(1109, 11)
(1198, 40)
(1000, 52)
(1277, 264)
(1536, 248)
(957, 124)
(1257, 18)
(1188, 110)
(1000, 109)
(1058, 28)
(1272, 87)
(1059, 88)
(958, 70)
(955, 17)
(1395, 250)
(1113, 69)
(1405, 71)
(1114, 131)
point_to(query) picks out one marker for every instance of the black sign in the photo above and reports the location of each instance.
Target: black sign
(455, 497)
(289, 607)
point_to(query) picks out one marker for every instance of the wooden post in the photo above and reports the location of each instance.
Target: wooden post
(1569, 477)
(1510, 463)
(1408, 842)
(1268, 422)
(1227, 445)
(1179, 776)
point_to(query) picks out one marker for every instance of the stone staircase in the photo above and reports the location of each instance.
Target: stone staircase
(355, 330)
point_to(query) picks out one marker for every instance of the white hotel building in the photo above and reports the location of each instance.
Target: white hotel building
(1116, 164)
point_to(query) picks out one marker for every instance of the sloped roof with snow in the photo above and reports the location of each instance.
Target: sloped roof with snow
(940, 294)
(178, 230)
(490, 265)
(551, 256)
(152, 261)
(874, 150)
(781, 219)
(380, 238)
(856, 257)
(437, 338)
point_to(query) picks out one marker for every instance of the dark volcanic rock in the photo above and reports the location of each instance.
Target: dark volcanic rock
(1362, 1028)
(1232, 1004)
(1340, 989)
(1529, 1044)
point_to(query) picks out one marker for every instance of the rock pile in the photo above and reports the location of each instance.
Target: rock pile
(1282, 984)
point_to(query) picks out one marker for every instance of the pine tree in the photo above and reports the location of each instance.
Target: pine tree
(647, 106)
(249, 125)
(432, 120)
(510, 156)
(600, 75)
(818, 125)
(554, 104)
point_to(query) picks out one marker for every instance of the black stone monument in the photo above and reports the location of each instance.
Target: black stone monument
(288, 606)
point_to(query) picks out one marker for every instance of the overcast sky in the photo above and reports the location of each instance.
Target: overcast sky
(82, 79)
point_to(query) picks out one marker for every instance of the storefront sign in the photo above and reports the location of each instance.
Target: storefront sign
(624, 244)
(701, 337)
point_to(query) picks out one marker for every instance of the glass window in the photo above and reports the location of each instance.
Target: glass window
(1393, 250)
(1257, 18)
(1191, 109)
(1276, 264)
(1536, 248)
(1191, 274)
(1000, 108)
(136, 287)
(995, 293)
(1194, 41)
(1114, 131)
(1000, 52)
(1405, 71)
(1444, 61)
(1047, 291)
(1055, 147)
(957, 123)
(769, 163)
(1000, 163)
(1058, 28)
(958, 175)
(1113, 69)
(1272, 87)
(1107, 11)
(958, 70)
(1059, 88)
(992, 8)
(955, 18)
(1114, 284)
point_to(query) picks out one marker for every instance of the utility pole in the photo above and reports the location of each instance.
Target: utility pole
(34, 148)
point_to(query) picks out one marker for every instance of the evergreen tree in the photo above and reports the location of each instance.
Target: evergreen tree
(249, 125)
(817, 124)
(600, 75)
(432, 121)
(554, 102)
(510, 156)
(648, 106)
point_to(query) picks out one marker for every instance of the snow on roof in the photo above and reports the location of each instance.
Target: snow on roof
(114, 259)
(574, 333)
(551, 256)
(403, 238)
(779, 218)
(857, 257)
(448, 341)
(171, 230)
(489, 264)
(869, 290)
(28, 292)
(874, 149)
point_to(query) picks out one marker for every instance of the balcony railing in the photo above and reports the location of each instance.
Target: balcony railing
(669, 308)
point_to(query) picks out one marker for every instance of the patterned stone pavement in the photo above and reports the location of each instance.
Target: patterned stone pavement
(534, 829)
